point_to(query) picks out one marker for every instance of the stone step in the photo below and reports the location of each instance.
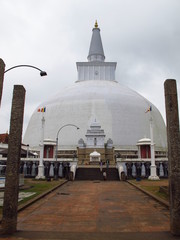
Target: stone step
(96, 174)
(95, 166)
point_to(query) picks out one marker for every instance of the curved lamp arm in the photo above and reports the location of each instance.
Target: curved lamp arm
(66, 126)
(58, 134)
(42, 73)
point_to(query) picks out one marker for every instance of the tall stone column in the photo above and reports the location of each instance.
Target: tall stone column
(2, 68)
(41, 165)
(10, 207)
(153, 175)
(173, 137)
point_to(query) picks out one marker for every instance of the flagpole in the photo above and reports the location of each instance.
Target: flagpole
(153, 175)
(41, 165)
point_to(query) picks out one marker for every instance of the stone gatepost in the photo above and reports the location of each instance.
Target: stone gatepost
(173, 137)
(2, 68)
(10, 207)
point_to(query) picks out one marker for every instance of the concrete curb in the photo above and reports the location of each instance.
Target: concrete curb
(30, 202)
(161, 201)
(35, 199)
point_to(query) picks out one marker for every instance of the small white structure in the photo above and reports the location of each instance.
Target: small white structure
(144, 148)
(95, 156)
(49, 148)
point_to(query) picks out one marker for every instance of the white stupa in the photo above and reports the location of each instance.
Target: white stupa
(96, 93)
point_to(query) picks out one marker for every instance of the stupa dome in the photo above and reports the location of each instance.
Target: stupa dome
(96, 94)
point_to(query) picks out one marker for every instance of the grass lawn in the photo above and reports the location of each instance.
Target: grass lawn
(153, 186)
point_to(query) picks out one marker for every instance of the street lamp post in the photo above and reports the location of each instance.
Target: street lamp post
(56, 164)
(27, 153)
(3, 71)
(2, 67)
(42, 73)
(10, 206)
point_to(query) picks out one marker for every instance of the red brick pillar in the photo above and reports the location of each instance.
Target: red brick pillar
(2, 68)
(173, 137)
(10, 207)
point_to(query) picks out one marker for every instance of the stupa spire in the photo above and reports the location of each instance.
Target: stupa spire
(96, 52)
(96, 68)
(96, 24)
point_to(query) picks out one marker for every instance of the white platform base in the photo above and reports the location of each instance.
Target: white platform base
(40, 172)
(153, 178)
(153, 175)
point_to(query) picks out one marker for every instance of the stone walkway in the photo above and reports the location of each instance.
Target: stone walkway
(87, 206)
(94, 210)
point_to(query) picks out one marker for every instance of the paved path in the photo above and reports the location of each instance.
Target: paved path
(95, 210)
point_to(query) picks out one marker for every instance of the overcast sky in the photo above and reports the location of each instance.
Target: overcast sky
(142, 36)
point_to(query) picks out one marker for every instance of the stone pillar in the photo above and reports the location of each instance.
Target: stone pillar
(153, 175)
(10, 207)
(139, 151)
(173, 137)
(41, 164)
(2, 68)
